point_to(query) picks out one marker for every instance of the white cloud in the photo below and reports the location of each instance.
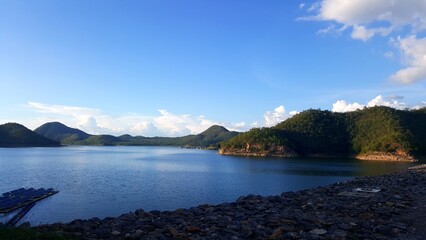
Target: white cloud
(369, 18)
(178, 125)
(329, 29)
(95, 121)
(60, 109)
(363, 33)
(343, 106)
(414, 52)
(314, 7)
(302, 5)
(392, 101)
(278, 115)
(394, 13)
(388, 102)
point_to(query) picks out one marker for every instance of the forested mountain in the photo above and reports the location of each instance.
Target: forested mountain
(59, 132)
(369, 133)
(16, 135)
(71, 136)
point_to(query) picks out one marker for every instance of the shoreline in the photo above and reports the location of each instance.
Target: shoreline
(336, 211)
(371, 156)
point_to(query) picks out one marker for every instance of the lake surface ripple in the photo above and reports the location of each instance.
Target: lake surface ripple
(110, 181)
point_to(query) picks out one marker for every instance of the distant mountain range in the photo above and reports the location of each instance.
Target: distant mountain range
(376, 133)
(210, 138)
(16, 135)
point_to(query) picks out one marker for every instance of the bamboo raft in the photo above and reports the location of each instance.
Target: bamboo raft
(22, 198)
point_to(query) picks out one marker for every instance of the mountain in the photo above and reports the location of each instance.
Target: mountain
(59, 132)
(210, 137)
(71, 136)
(372, 133)
(16, 135)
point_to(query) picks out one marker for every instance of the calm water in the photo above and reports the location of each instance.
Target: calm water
(110, 181)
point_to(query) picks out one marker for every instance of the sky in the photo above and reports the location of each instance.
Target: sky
(172, 68)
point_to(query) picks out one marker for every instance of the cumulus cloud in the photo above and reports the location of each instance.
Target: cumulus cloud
(95, 121)
(388, 102)
(343, 106)
(279, 114)
(391, 101)
(181, 124)
(368, 19)
(414, 52)
(394, 14)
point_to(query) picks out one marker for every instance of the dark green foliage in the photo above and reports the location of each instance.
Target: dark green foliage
(375, 129)
(100, 140)
(317, 132)
(262, 138)
(415, 124)
(378, 129)
(16, 135)
(59, 132)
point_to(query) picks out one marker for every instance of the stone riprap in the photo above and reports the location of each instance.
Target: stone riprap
(380, 207)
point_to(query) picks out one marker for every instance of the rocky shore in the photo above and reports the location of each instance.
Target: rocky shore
(391, 206)
(254, 150)
(286, 152)
(398, 156)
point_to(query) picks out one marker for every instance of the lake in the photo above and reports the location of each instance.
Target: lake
(110, 181)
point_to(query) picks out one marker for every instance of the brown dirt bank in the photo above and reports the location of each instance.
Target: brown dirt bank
(338, 211)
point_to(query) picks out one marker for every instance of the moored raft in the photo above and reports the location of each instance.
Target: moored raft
(10, 201)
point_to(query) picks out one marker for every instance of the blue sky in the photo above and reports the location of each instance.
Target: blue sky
(172, 68)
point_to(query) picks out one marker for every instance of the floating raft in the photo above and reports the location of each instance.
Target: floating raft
(22, 197)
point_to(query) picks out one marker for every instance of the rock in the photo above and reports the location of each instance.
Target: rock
(277, 234)
(137, 234)
(340, 233)
(173, 232)
(365, 216)
(318, 231)
(290, 235)
(115, 233)
(288, 221)
(192, 229)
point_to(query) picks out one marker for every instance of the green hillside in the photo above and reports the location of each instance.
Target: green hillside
(210, 137)
(317, 132)
(380, 131)
(59, 132)
(71, 136)
(16, 135)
